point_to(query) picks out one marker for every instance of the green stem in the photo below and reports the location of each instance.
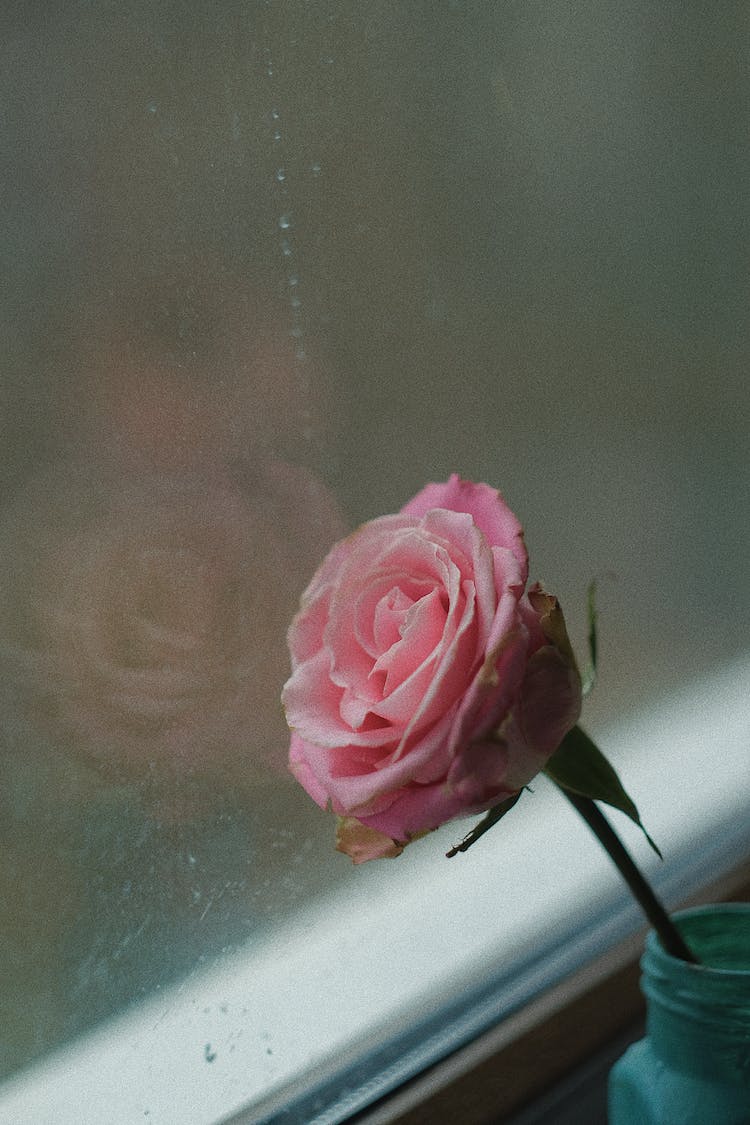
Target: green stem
(669, 935)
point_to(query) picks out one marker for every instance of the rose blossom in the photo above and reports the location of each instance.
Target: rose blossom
(426, 683)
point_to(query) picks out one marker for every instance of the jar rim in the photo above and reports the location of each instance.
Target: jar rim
(719, 934)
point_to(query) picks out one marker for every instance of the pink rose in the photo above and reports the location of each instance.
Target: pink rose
(426, 683)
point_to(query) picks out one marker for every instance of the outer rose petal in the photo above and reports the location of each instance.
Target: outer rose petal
(550, 700)
(485, 505)
(300, 767)
(550, 696)
(306, 633)
(423, 808)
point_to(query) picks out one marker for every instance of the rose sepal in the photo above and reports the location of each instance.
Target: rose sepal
(578, 766)
(362, 843)
(497, 812)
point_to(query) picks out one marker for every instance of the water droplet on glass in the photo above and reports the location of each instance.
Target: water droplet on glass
(277, 135)
(280, 175)
(286, 249)
(285, 222)
(275, 115)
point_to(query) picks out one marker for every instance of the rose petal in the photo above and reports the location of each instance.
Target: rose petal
(322, 724)
(419, 633)
(422, 808)
(300, 767)
(484, 504)
(389, 620)
(550, 700)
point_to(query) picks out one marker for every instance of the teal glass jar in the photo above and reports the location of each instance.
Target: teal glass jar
(693, 1067)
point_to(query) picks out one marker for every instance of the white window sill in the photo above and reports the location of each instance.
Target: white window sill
(400, 943)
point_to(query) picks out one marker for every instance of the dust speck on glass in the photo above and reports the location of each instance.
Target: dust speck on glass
(272, 267)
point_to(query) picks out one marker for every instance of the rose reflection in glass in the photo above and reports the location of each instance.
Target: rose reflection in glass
(143, 616)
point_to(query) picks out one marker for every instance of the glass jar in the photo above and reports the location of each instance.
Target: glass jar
(693, 1067)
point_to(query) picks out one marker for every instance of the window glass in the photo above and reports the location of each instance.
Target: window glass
(270, 267)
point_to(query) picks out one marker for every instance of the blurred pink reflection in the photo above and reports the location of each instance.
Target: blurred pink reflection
(147, 579)
(143, 619)
(190, 370)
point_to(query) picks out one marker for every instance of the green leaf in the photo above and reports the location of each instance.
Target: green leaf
(579, 766)
(492, 817)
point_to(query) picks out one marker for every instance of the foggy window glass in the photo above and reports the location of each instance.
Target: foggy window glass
(269, 268)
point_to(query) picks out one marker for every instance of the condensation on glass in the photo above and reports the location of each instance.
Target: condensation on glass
(269, 267)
